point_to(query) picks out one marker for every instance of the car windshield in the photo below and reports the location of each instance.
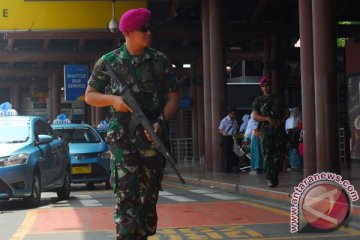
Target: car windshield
(14, 131)
(78, 135)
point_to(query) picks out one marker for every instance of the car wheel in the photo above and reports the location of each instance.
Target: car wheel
(34, 199)
(64, 192)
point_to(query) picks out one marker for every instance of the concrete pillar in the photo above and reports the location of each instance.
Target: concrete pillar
(207, 85)
(55, 95)
(199, 89)
(307, 87)
(87, 110)
(99, 116)
(326, 96)
(93, 116)
(15, 97)
(276, 63)
(218, 79)
(267, 59)
(194, 110)
(50, 100)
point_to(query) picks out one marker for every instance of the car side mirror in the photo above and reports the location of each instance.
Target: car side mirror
(44, 139)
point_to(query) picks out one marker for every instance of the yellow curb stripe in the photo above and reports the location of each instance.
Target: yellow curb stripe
(300, 236)
(350, 230)
(26, 226)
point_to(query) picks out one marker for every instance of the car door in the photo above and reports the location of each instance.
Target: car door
(60, 157)
(45, 156)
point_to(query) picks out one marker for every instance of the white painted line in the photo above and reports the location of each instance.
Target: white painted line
(83, 196)
(201, 191)
(174, 197)
(88, 201)
(62, 205)
(47, 206)
(222, 196)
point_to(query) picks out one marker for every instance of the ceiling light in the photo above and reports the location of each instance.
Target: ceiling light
(234, 48)
(113, 24)
(186, 65)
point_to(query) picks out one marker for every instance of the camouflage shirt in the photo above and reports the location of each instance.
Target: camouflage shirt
(150, 76)
(269, 106)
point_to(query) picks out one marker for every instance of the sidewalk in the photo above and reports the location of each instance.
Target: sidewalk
(256, 185)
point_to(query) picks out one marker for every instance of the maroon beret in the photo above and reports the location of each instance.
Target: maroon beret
(263, 80)
(134, 19)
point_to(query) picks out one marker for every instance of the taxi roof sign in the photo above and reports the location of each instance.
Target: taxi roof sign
(6, 110)
(103, 125)
(62, 119)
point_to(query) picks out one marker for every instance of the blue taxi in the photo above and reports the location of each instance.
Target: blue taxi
(90, 158)
(32, 160)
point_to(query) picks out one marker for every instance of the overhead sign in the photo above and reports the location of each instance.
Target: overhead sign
(75, 82)
(30, 15)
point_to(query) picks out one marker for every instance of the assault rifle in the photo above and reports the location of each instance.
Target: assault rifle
(139, 118)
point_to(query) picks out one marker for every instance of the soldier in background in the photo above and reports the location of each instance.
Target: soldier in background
(136, 170)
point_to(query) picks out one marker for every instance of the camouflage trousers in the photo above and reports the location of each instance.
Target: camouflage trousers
(136, 178)
(273, 150)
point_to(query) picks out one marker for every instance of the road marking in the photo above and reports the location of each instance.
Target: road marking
(229, 232)
(174, 185)
(26, 225)
(206, 232)
(350, 230)
(62, 204)
(201, 191)
(88, 201)
(221, 196)
(174, 197)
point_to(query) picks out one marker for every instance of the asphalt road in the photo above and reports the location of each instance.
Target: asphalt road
(185, 212)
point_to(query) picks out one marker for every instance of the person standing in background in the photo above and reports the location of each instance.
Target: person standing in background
(270, 112)
(227, 128)
(293, 132)
(251, 137)
(244, 124)
(136, 167)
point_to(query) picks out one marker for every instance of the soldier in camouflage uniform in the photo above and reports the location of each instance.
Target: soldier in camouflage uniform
(136, 169)
(270, 113)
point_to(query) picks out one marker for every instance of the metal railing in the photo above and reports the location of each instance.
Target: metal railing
(182, 149)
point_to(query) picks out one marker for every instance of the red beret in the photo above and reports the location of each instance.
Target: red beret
(264, 80)
(133, 19)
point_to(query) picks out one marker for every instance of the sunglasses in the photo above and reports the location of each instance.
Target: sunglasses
(145, 28)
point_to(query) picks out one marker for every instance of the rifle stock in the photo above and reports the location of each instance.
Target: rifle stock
(138, 118)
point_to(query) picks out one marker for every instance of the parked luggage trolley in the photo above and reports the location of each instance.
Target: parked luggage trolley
(243, 152)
